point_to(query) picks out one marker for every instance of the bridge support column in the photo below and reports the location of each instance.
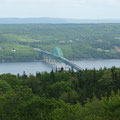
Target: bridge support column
(52, 62)
(60, 65)
(67, 67)
(46, 59)
(49, 60)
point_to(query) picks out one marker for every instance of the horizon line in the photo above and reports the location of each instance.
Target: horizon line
(60, 18)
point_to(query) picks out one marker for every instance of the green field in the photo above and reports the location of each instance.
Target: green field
(77, 41)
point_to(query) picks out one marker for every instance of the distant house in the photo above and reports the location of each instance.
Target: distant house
(13, 50)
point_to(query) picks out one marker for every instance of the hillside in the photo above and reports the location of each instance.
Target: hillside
(77, 41)
(51, 20)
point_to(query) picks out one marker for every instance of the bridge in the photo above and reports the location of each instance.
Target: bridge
(56, 56)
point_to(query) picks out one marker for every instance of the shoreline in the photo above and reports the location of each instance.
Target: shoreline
(20, 61)
(69, 59)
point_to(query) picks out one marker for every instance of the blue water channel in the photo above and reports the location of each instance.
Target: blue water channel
(33, 67)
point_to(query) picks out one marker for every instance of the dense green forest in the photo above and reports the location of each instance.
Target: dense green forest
(78, 41)
(84, 95)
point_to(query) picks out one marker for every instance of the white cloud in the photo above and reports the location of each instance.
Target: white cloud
(57, 2)
(60, 8)
(62, 2)
(109, 2)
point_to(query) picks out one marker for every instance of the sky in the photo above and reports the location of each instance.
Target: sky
(75, 9)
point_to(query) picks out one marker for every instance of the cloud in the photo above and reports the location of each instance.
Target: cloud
(109, 2)
(60, 8)
(63, 2)
(38, 2)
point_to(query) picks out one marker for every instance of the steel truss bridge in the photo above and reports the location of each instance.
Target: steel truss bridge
(56, 56)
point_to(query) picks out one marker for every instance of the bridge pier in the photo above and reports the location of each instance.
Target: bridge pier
(53, 62)
(56, 64)
(67, 67)
(61, 65)
(49, 60)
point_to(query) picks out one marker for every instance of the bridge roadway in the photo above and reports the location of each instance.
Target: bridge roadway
(61, 59)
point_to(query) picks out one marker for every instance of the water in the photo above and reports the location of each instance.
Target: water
(20, 67)
(90, 64)
(33, 67)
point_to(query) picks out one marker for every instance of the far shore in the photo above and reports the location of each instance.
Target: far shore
(75, 59)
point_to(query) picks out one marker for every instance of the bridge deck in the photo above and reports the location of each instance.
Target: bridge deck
(62, 59)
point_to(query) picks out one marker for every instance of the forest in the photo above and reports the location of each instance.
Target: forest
(77, 41)
(61, 95)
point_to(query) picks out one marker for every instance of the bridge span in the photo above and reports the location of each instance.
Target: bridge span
(57, 56)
